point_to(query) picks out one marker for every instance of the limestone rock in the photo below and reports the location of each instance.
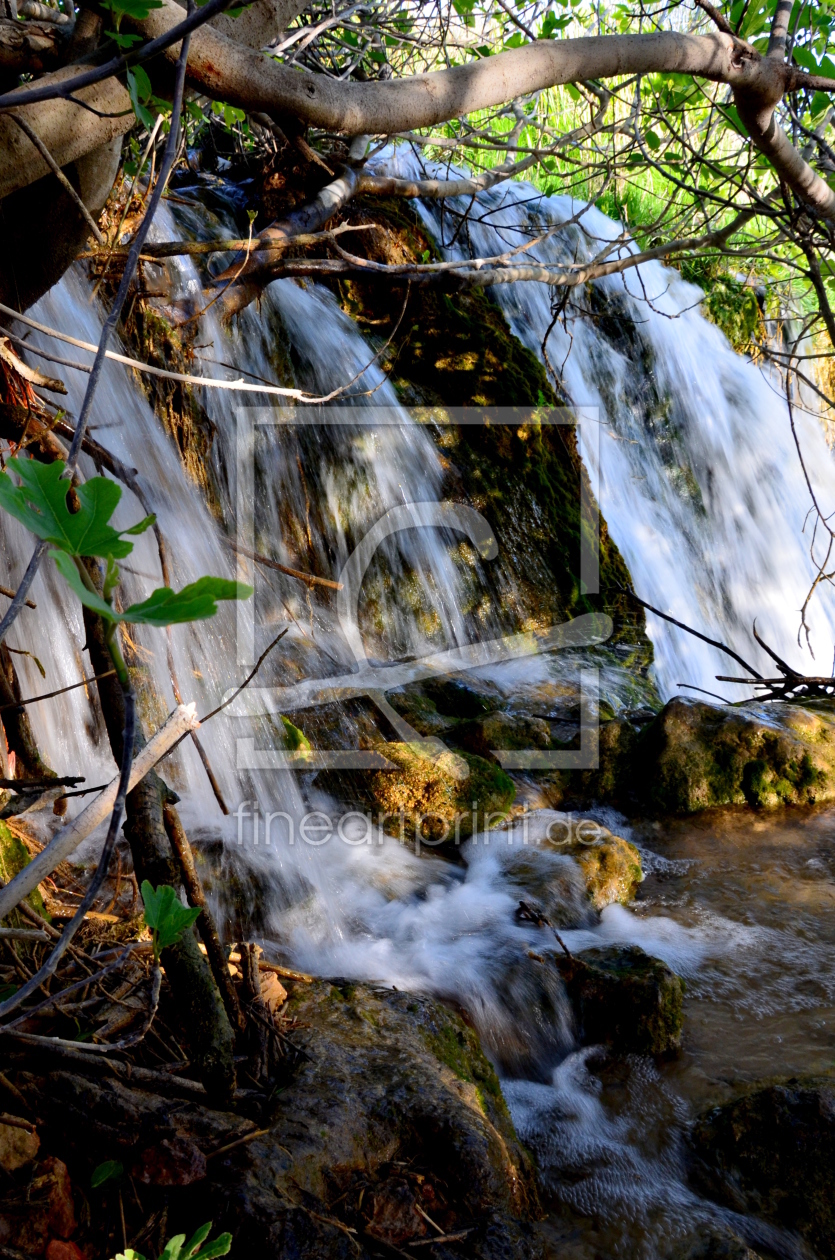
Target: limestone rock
(498, 731)
(425, 797)
(624, 999)
(17, 1147)
(693, 755)
(772, 1152)
(564, 881)
(696, 755)
(611, 868)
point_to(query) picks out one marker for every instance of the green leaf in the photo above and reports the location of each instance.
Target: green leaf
(166, 916)
(137, 9)
(220, 1247)
(194, 602)
(172, 1248)
(652, 140)
(135, 90)
(40, 503)
(163, 607)
(196, 1240)
(110, 1170)
(123, 41)
(130, 1254)
(89, 599)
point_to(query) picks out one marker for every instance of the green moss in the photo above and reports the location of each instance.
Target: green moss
(294, 739)
(423, 799)
(729, 303)
(13, 857)
(755, 782)
(625, 999)
(457, 1047)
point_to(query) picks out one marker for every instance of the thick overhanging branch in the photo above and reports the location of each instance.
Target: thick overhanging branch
(30, 47)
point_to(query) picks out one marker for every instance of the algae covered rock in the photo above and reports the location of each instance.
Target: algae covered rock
(434, 795)
(772, 1152)
(566, 879)
(395, 1113)
(696, 755)
(611, 869)
(624, 999)
(497, 731)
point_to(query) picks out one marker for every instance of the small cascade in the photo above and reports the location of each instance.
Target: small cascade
(698, 476)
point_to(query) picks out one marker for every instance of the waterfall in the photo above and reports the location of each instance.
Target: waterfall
(700, 485)
(698, 476)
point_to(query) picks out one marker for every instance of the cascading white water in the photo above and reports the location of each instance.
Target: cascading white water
(698, 476)
(701, 490)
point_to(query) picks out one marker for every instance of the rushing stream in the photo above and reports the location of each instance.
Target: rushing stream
(701, 487)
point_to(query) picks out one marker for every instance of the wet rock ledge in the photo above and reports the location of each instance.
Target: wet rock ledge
(391, 1129)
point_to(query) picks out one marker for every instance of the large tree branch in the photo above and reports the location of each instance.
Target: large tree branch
(226, 70)
(30, 46)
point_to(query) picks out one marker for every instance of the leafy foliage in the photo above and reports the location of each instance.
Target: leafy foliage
(163, 607)
(167, 918)
(40, 503)
(178, 1249)
(110, 1170)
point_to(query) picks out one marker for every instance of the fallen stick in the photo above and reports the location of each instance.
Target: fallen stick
(178, 724)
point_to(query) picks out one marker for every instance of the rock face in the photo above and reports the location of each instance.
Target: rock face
(625, 999)
(393, 1113)
(773, 1152)
(692, 756)
(426, 797)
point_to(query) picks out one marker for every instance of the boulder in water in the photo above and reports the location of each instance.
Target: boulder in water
(625, 999)
(565, 881)
(611, 869)
(772, 1152)
(695, 755)
(497, 731)
(427, 797)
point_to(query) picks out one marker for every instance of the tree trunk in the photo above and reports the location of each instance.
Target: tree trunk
(206, 1028)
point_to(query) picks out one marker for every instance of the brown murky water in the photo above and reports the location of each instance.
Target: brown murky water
(743, 907)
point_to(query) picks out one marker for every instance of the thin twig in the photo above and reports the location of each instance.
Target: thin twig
(21, 704)
(59, 175)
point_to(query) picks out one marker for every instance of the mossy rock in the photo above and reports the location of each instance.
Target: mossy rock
(424, 798)
(693, 756)
(393, 1081)
(772, 1152)
(567, 882)
(611, 869)
(696, 755)
(13, 857)
(625, 999)
(500, 731)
